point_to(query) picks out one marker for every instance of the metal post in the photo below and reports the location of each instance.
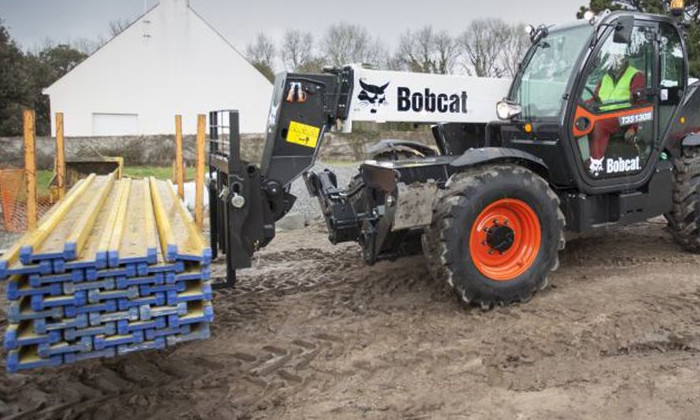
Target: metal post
(199, 169)
(30, 167)
(234, 136)
(60, 156)
(179, 175)
(214, 224)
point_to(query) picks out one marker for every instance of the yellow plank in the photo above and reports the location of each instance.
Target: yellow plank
(60, 235)
(34, 239)
(120, 220)
(97, 244)
(195, 235)
(109, 228)
(186, 237)
(30, 168)
(138, 239)
(149, 217)
(86, 221)
(165, 232)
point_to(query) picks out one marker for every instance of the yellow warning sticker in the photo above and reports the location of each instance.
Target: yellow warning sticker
(303, 134)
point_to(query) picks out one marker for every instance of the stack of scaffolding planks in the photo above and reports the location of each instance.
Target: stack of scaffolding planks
(117, 266)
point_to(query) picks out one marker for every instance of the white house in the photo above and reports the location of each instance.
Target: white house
(169, 61)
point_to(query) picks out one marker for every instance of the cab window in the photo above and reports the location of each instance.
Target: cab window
(613, 125)
(672, 73)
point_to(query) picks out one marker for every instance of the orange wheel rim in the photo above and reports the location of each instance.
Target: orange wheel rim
(505, 239)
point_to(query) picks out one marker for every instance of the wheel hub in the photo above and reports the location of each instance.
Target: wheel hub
(505, 239)
(500, 237)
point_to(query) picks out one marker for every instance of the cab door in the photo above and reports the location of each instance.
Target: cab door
(615, 125)
(672, 75)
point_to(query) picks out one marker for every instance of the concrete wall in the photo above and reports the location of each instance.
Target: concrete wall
(168, 62)
(160, 150)
(136, 150)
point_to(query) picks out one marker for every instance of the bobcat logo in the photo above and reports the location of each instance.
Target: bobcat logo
(372, 96)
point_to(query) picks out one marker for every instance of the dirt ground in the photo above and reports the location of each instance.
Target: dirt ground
(311, 332)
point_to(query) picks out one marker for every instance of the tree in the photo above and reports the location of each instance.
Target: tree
(416, 50)
(482, 47)
(24, 76)
(514, 48)
(87, 46)
(691, 15)
(117, 26)
(47, 66)
(61, 59)
(426, 51)
(345, 43)
(297, 49)
(15, 85)
(261, 54)
(447, 52)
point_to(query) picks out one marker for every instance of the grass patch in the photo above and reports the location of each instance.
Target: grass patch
(44, 176)
(159, 172)
(43, 179)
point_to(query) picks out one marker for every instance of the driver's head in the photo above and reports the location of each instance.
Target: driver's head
(617, 58)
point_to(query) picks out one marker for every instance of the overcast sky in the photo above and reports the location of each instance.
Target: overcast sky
(32, 21)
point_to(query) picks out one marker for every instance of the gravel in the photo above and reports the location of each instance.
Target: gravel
(308, 206)
(7, 239)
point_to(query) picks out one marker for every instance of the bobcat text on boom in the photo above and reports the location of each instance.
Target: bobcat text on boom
(431, 102)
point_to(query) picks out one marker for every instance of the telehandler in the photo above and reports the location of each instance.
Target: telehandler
(598, 128)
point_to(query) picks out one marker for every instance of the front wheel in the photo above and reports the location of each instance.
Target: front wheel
(495, 235)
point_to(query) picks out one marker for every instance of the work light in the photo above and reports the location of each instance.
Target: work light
(677, 7)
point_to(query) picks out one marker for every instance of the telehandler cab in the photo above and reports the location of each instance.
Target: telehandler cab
(598, 128)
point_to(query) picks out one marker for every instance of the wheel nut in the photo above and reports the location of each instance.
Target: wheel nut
(237, 201)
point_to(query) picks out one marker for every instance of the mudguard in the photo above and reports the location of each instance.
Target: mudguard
(395, 146)
(691, 140)
(501, 154)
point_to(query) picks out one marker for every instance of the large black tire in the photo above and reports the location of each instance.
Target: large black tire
(446, 243)
(684, 219)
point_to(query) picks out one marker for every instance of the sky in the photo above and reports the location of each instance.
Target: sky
(31, 22)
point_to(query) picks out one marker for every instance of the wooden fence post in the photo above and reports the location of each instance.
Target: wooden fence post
(30, 167)
(199, 169)
(179, 175)
(60, 157)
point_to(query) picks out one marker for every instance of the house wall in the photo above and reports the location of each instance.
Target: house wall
(168, 62)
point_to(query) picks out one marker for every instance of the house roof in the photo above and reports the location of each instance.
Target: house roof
(131, 26)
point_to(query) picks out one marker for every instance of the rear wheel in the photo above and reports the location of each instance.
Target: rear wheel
(495, 235)
(684, 219)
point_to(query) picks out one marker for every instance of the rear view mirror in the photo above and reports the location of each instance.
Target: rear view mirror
(623, 30)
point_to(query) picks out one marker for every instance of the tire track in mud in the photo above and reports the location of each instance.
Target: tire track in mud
(254, 372)
(177, 382)
(137, 383)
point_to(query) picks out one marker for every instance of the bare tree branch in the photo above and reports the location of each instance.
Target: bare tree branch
(261, 54)
(346, 44)
(514, 48)
(117, 26)
(482, 47)
(425, 51)
(297, 49)
(447, 52)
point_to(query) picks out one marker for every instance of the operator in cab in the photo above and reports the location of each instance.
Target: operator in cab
(615, 91)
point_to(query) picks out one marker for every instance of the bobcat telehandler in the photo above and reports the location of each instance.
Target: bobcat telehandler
(598, 128)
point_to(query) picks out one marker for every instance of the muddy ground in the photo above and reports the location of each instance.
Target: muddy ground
(311, 332)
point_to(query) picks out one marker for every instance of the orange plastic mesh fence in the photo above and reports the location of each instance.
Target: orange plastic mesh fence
(13, 199)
